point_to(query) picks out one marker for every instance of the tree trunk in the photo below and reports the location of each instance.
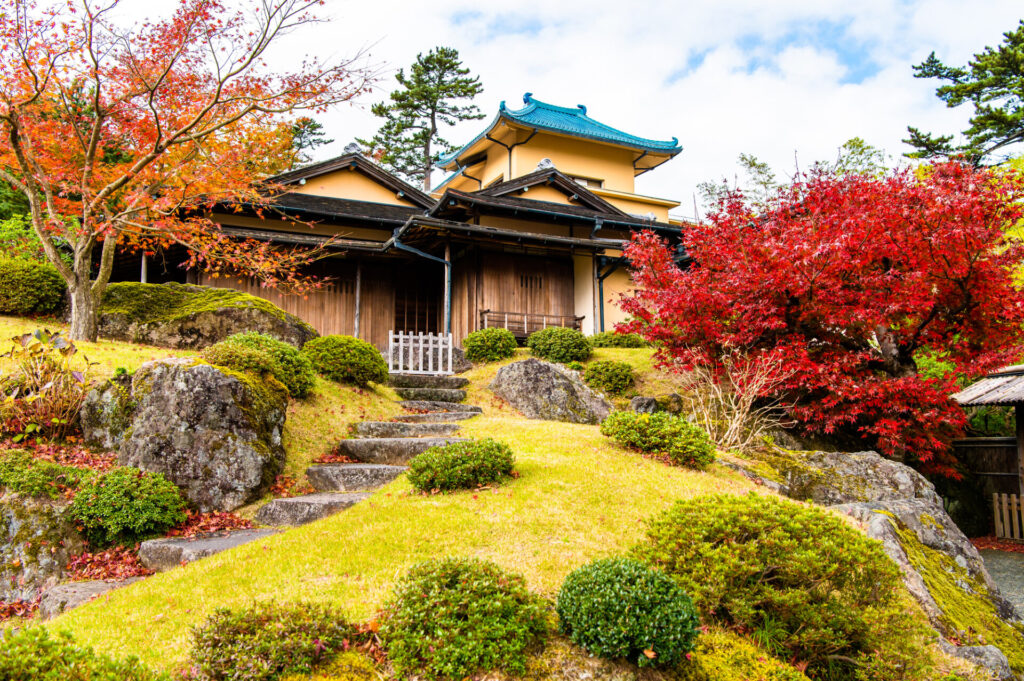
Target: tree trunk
(84, 326)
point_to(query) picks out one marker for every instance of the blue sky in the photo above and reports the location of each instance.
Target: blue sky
(786, 80)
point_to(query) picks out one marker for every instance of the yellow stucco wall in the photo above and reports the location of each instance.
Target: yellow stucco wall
(542, 192)
(617, 283)
(583, 291)
(613, 165)
(349, 184)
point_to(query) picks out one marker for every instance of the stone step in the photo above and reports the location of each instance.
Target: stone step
(436, 405)
(393, 429)
(390, 450)
(307, 508)
(433, 394)
(164, 554)
(437, 417)
(351, 477)
(419, 381)
(63, 597)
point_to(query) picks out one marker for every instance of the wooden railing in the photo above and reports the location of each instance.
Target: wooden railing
(1007, 512)
(419, 353)
(522, 324)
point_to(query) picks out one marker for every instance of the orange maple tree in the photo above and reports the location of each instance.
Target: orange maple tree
(130, 134)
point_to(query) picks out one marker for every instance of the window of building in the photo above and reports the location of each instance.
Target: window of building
(589, 182)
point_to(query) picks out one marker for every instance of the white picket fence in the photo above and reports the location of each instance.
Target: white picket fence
(420, 353)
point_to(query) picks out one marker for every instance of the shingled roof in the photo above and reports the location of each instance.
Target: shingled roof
(1000, 388)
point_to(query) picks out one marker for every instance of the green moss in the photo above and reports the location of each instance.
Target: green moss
(148, 303)
(967, 610)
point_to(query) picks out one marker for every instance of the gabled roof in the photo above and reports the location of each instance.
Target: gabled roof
(359, 163)
(557, 179)
(548, 209)
(574, 122)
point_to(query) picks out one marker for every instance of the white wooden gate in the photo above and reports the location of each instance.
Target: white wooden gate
(420, 353)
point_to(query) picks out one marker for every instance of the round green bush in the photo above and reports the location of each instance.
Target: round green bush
(620, 608)
(32, 654)
(260, 354)
(611, 339)
(808, 584)
(559, 344)
(453, 618)
(267, 641)
(488, 345)
(576, 366)
(29, 287)
(661, 433)
(346, 360)
(610, 376)
(461, 465)
(125, 505)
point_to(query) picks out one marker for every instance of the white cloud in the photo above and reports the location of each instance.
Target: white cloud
(770, 78)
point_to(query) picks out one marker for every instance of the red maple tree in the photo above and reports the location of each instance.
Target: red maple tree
(845, 280)
(120, 133)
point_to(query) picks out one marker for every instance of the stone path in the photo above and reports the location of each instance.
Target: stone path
(1007, 571)
(382, 448)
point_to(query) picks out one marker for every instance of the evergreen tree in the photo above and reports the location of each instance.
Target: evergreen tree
(993, 81)
(307, 135)
(409, 142)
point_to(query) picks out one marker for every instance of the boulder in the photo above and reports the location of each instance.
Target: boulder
(213, 432)
(186, 316)
(36, 543)
(64, 597)
(170, 552)
(899, 507)
(542, 390)
(644, 405)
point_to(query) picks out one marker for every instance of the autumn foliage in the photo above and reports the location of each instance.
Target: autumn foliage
(843, 280)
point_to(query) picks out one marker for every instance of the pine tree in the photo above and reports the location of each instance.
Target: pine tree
(409, 142)
(993, 81)
(307, 135)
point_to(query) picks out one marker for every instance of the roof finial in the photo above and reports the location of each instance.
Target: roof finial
(527, 98)
(352, 148)
(582, 108)
(545, 164)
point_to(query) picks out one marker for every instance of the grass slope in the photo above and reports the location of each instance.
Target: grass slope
(579, 497)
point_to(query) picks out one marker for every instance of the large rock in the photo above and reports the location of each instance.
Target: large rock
(542, 390)
(170, 552)
(213, 432)
(36, 542)
(186, 316)
(64, 597)
(941, 568)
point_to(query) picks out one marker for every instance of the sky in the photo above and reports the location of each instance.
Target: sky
(785, 80)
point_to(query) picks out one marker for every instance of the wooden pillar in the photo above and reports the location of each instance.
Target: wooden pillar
(448, 288)
(144, 270)
(1018, 411)
(359, 285)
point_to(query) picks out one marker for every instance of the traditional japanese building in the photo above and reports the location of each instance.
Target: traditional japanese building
(526, 232)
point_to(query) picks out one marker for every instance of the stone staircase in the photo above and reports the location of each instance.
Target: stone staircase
(382, 448)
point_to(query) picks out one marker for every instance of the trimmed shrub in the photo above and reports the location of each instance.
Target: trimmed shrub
(461, 465)
(611, 339)
(806, 584)
(258, 353)
(32, 654)
(125, 505)
(344, 667)
(21, 473)
(725, 656)
(620, 608)
(575, 366)
(456, 617)
(346, 360)
(661, 433)
(488, 345)
(29, 287)
(559, 344)
(266, 641)
(610, 376)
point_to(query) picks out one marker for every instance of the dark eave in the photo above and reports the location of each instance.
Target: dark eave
(548, 209)
(421, 227)
(280, 237)
(359, 163)
(312, 208)
(555, 178)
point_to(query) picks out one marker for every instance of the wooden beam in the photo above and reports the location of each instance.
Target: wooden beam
(359, 284)
(1018, 411)
(448, 287)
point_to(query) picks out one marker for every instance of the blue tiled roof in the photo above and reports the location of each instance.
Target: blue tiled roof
(569, 121)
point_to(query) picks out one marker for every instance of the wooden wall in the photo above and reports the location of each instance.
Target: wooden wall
(510, 282)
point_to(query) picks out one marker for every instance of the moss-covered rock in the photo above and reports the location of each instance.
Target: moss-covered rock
(542, 390)
(187, 316)
(214, 432)
(36, 541)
